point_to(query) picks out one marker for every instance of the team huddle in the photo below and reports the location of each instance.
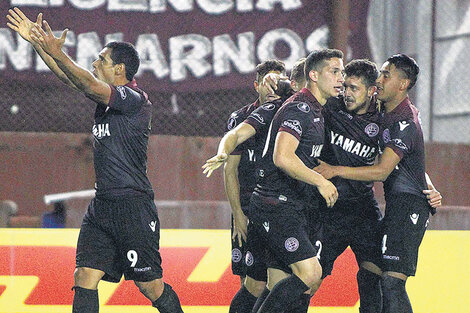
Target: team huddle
(299, 166)
(307, 194)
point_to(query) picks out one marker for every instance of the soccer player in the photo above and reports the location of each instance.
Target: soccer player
(239, 181)
(120, 231)
(409, 194)
(294, 142)
(352, 126)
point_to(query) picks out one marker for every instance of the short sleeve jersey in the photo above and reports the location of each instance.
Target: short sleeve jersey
(403, 134)
(351, 140)
(246, 167)
(121, 132)
(301, 117)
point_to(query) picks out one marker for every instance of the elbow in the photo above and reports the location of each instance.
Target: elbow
(280, 161)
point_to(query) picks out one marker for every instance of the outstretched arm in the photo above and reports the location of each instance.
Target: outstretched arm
(377, 172)
(21, 24)
(83, 79)
(228, 143)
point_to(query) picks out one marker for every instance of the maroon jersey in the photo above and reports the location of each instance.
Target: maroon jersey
(121, 132)
(301, 117)
(403, 134)
(351, 140)
(246, 167)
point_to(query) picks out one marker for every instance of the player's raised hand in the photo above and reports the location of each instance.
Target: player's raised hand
(21, 24)
(271, 80)
(214, 163)
(46, 39)
(326, 170)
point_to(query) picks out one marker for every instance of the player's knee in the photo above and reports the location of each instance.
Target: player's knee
(152, 290)
(367, 278)
(255, 287)
(87, 277)
(392, 286)
(309, 271)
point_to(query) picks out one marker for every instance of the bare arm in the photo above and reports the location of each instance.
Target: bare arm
(21, 24)
(377, 172)
(232, 190)
(227, 145)
(285, 158)
(83, 79)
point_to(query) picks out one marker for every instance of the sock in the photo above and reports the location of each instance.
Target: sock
(260, 300)
(168, 301)
(243, 301)
(394, 296)
(300, 306)
(283, 294)
(85, 300)
(370, 291)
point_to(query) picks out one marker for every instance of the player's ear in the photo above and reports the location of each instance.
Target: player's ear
(120, 69)
(404, 84)
(313, 75)
(256, 85)
(371, 91)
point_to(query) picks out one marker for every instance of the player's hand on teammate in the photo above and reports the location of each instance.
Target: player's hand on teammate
(328, 192)
(271, 80)
(214, 163)
(49, 43)
(240, 222)
(434, 197)
(326, 170)
(21, 24)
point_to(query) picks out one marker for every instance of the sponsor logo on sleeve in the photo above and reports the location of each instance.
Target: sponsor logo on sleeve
(257, 117)
(268, 106)
(304, 107)
(122, 92)
(294, 125)
(400, 144)
(372, 130)
(232, 122)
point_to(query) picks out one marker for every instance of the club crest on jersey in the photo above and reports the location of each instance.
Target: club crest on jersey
(304, 107)
(386, 136)
(372, 130)
(101, 130)
(291, 244)
(122, 91)
(249, 259)
(236, 255)
(232, 122)
(294, 125)
(268, 107)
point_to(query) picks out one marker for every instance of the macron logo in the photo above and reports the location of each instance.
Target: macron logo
(403, 125)
(414, 218)
(152, 225)
(266, 226)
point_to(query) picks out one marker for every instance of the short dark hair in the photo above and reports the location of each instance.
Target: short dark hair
(267, 66)
(407, 65)
(316, 60)
(363, 68)
(297, 72)
(125, 52)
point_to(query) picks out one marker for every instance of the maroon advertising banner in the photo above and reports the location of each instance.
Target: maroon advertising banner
(185, 45)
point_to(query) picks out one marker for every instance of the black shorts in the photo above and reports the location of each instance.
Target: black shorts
(351, 223)
(405, 222)
(238, 255)
(281, 232)
(121, 236)
(255, 255)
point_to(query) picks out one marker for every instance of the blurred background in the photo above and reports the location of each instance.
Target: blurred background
(198, 65)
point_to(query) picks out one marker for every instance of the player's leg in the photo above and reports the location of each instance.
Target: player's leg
(94, 259)
(366, 234)
(405, 222)
(289, 242)
(161, 294)
(255, 269)
(139, 236)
